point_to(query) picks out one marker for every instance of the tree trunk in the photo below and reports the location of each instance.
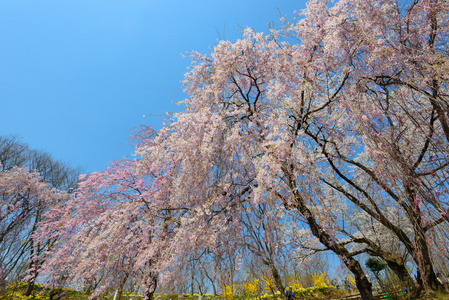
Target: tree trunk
(362, 282)
(192, 282)
(150, 287)
(403, 275)
(395, 263)
(428, 277)
(214, 289)
(34, 252)
(56, 294)
(277, 279)
(30, 288)
(122, 285)
(421, 253)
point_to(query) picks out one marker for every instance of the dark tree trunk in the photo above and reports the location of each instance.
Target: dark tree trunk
(361, 280)
(395, 263)
(30, 288)
(150, 289)
(277, 279)
(421, 254)
(428, 277)
(403, 275)
(363, 284)
(55, 294)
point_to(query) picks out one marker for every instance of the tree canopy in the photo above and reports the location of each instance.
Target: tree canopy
(337, 121)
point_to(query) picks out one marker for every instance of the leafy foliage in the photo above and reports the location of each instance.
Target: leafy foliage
(374, 265)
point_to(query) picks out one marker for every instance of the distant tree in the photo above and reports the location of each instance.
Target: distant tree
(375, 266)
(13, 153)
(31, 182)
(24, 198)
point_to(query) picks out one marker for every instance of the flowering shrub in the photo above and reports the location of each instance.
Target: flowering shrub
(16, 291)
(247, 290)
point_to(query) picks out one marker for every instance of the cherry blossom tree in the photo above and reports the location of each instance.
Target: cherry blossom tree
(346, 114)
(394, 96)
(31, 183)
(24, 198)
(107, 232)
(339, 115)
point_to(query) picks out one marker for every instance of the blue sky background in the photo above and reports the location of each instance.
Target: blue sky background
(76, 75)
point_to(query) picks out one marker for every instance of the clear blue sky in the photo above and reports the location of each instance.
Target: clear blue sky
(76, 75)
